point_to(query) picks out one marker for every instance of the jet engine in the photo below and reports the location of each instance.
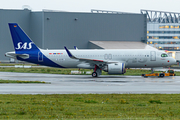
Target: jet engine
(115, 68)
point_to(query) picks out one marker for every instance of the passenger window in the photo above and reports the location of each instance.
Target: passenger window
(164, 55)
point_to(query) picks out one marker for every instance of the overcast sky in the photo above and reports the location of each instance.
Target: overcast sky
(86, 5)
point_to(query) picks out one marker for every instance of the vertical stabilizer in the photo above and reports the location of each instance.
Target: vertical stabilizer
(20, 40)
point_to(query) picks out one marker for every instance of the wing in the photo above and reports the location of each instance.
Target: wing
(92, 61)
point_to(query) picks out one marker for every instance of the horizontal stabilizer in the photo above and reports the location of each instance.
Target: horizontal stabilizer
(14, 55)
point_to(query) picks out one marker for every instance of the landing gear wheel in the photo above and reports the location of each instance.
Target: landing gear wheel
(94, 74)
(161, 75)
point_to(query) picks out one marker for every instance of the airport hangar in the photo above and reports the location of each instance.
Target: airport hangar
(94, 30)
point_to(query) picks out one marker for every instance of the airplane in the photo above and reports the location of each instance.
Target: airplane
(113, 61)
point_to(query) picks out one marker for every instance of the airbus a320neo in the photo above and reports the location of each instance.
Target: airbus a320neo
(112, 61)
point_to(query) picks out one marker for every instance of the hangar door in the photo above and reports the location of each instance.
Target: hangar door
(153, 56)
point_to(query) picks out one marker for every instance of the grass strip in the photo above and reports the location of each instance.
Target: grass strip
(13, 64)
(133, 72)
(90, 106)
(20, 81)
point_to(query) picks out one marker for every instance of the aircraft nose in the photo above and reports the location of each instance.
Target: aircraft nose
(172, 61)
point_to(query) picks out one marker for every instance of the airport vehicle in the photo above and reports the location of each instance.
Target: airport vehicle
(111, 61)
(167, 73)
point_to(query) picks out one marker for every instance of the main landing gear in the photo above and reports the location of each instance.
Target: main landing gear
(97, 71)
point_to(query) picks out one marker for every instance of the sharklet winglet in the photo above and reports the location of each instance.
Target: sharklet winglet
(75, 48)
(69, 53)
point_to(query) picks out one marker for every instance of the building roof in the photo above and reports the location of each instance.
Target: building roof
(121, 45)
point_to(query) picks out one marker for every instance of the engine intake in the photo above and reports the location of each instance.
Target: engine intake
(115, 68)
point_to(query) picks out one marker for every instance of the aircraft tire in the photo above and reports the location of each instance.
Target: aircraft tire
(94, 74)
(161, 75)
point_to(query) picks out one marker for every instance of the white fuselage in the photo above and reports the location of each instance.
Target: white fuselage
(133, 58)
(111, 61)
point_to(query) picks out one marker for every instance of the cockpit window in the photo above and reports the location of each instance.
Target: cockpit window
(164, 55)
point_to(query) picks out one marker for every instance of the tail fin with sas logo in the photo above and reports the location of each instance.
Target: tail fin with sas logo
(20, 40)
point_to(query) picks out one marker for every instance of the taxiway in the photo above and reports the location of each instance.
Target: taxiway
(84, 84)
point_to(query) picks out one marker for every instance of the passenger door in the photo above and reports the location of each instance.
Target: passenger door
(153, 55)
